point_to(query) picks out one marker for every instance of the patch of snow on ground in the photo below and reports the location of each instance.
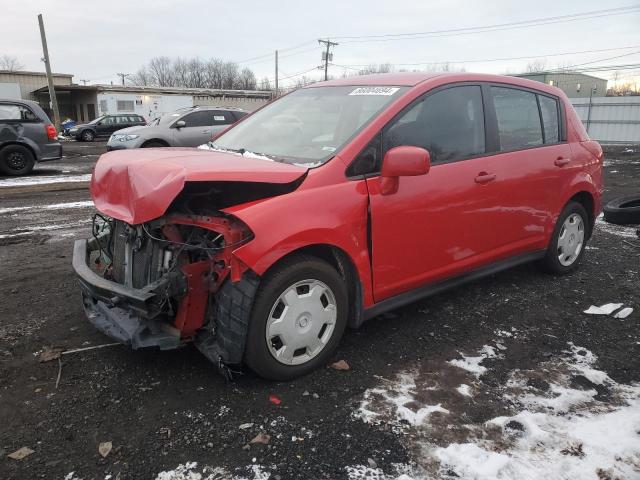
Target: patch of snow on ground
(564, 433)
(190, 471)
(52, 206)
(365, 472)
(619, 230)
(43, 180)
(472, 364)
(464, 390)
(398, 397)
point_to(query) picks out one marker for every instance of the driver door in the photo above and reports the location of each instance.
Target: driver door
(439, 224)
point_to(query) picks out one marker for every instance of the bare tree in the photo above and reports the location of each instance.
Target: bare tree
(536, 66)
(265, 84)
(11, 63)
(194, 73)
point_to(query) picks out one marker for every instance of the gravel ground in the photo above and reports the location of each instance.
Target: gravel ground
(422, 379)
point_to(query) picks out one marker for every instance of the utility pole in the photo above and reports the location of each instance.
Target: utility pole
(276, 73)
(47, 65)
(123, 76)
(84, 82)
(326, 56)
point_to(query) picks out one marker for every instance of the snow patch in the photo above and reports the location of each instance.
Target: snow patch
(190, 471)
(473, 364)
(43, 180)
(52, 206)
(619, 230)
(396, 404)
(464, 390)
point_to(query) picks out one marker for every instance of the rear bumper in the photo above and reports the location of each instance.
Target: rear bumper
(126, 314)
(51, 151)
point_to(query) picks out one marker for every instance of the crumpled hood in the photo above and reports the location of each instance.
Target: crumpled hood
(139, 185)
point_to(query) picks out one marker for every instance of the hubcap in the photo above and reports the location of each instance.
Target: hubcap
(571, 239)
(16, 161)
(301, 322)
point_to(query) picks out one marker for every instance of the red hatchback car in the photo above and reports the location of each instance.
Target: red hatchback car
(331, 205)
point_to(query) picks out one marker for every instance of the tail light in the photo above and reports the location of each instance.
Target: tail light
(51, 132)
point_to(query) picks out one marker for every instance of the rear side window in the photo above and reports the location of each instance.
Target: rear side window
(518, 118)
(448, 123)
(549, 111)
(222, 118)
(16, 112)
(198, 119)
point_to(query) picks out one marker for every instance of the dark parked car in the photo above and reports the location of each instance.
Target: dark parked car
(105, 125)
(27, 136)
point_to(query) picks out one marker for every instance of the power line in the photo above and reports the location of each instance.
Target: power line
(488, 28)
(494, 59)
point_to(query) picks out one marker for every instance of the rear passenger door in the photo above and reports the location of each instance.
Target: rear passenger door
(197, 129)
(221, 120)
(528, 173)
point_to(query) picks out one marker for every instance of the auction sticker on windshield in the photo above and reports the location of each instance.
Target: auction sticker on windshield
(375, 91)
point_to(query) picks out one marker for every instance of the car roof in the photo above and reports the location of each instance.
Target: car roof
(13, 100)
(411, 79)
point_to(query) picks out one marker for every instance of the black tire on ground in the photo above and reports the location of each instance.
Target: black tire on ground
(87, 136)
(292, 270)
(623, 211)
(16, 160)
(551, 263)
(153, 144)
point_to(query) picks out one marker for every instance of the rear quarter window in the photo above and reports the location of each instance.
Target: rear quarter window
(13, 112)
(549, 111)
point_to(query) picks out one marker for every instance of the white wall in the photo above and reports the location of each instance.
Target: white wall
(610, 119)
(149, 106)
(10, 91)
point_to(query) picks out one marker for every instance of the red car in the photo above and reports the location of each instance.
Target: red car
(331, 205)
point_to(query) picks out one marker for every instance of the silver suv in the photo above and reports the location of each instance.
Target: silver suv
(189, 127)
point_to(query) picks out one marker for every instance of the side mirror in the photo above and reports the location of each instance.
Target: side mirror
(179, 124)
(402, 161)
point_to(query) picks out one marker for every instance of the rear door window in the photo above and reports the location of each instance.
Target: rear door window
(448, 123)
(220, 117)
(549, 111)
(17, 113)
(518, 118)
(203, 118)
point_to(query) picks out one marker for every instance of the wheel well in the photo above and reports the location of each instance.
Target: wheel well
(155, 140)
(586, 200)
(341, 261)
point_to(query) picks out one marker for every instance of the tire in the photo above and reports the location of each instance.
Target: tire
(623, 211)
(298, 276)
(564, 256)
(87, 136)
(153, 144)
(16, 160)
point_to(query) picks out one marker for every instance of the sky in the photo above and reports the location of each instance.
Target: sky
(95, 40)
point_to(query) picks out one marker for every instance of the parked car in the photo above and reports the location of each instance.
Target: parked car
(27, 136)
(105, 125)
(332, 205)
(188, 127)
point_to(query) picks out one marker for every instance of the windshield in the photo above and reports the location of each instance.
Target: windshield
(96, 120)
(307, 126)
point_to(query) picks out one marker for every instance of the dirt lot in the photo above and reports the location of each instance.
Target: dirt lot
(501, 378)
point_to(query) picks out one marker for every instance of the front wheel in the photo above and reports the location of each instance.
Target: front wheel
(298, 318)
(568, 241)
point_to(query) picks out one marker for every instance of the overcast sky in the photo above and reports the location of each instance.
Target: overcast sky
(94, 40)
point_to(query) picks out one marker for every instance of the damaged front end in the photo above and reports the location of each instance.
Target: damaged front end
(159, 283)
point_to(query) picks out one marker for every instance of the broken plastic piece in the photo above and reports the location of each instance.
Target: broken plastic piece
(606, 309)
(624, 313)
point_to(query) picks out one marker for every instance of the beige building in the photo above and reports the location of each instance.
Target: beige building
(574, 84)
(13, 83)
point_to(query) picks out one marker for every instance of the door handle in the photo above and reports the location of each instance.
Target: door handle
(561, 161)
(484, 177)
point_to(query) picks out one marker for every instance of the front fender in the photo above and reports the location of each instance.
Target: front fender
(334, 215)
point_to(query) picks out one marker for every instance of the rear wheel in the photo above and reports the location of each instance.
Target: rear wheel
(299, 316)
(568, 241)
(87, 136)
(16, 160)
